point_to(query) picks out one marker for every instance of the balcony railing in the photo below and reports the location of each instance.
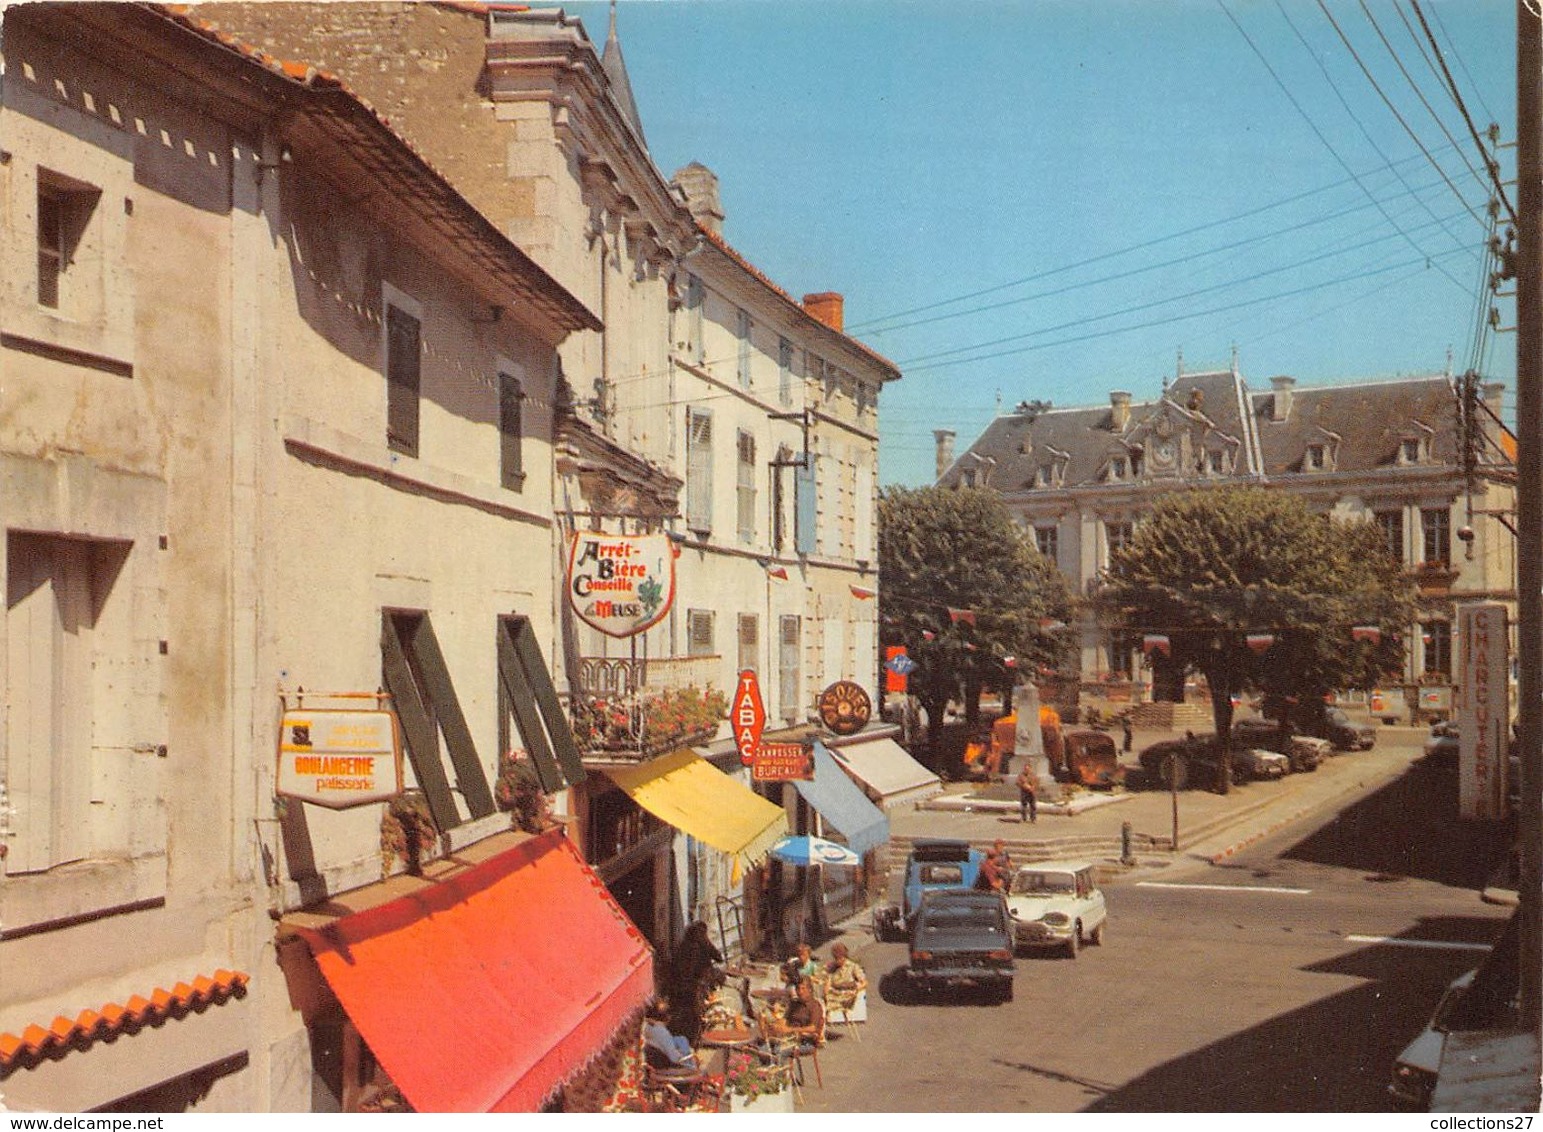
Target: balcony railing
(640, 708)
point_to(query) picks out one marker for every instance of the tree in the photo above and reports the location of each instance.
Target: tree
(943, 550)
(1256, 592)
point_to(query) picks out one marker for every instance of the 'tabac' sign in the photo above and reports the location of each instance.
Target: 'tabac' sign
(748, 716)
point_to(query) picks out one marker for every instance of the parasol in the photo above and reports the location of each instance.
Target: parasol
(814, 851)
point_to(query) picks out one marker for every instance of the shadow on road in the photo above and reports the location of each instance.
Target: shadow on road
(1333, 1056)
(1434, 843)
(898, 989)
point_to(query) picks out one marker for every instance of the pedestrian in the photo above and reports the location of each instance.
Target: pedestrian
(1125, 728)
(990, 878)
(1028, 802)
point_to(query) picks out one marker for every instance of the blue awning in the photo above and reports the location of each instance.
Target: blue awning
(841, 802)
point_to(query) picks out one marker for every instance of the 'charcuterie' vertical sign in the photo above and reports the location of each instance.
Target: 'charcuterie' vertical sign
(621, 584)
(1484, 722)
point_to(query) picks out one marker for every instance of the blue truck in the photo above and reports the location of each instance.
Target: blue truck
(936, 864)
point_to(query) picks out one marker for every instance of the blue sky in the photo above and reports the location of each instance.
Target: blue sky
(1050, 199)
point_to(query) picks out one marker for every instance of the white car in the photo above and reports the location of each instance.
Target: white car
(1255, 762)
(1056, 904)
(1414, 1073)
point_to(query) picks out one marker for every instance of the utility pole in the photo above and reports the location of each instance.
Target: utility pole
(1529, 495)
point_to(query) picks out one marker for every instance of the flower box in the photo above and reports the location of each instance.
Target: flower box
(780, 1101)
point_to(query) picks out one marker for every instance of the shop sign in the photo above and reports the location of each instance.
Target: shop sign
(898, 667)
(1484, 718)
(621, 584)
(748, 715)
(783, 762)
(338, 758)
(845, 707)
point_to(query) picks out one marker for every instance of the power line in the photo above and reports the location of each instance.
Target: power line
(1452, 46)
(1326, 143)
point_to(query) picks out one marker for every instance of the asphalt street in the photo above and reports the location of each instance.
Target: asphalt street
(1283, 980)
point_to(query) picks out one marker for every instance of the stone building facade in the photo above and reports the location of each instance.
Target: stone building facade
(1389, 452)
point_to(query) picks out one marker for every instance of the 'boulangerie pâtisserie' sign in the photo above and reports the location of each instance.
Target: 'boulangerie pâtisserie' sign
(621, 584)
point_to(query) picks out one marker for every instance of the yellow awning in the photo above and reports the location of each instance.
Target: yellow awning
(696, 797)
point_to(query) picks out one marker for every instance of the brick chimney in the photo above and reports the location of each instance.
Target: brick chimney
(1280, 404)
(698, 187)
(1119, 409)
(827, 307)
(945, 442)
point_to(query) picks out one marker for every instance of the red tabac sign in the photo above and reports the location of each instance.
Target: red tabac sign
(748, 716)
(621, 584)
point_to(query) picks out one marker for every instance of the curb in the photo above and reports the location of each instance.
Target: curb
(1218, 858)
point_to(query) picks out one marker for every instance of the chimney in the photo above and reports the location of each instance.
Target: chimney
(698, 187)
(1494, 393)
(1119, 410)
(827, 308)
(945, 440)
(1280, 405)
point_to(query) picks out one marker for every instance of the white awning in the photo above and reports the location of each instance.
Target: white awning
(890, 776)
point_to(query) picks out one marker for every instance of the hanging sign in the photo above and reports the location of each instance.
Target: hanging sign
(1484, 719)
(748, 716)
(621, 584)
(783, 762)
(338, 758)
(845, 707)
(897, 667)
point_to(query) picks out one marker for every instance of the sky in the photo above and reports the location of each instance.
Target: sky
(1053, 199)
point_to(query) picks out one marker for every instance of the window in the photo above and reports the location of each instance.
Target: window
(1392, 525)
(1116, 536)
(1119, 468)
(1047, 539)
(742, 330)
(967, 478)
(749, 641)
(1409, 451)
(403, 363)
(511, 461)
(64, 211)
(415, 673)
(788, 676)
(784, 371)
(806, 505)
(1121, 648)
(832, 381)
(1435, 525)
(699, 470)
(745, 487)
(1216, 462)
(1315, 459)
(696, 305)
(1437, 638)
(778, 502)
(699, 633)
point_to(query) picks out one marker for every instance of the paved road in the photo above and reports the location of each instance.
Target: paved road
(1285, 980)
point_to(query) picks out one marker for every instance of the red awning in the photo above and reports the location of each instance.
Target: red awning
(489, 990)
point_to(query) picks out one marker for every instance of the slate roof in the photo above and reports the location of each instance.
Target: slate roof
(1361, 425)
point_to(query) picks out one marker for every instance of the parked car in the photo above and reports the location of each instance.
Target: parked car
(1414, 1073)
(1305, 752)
(963, 937)
(1056, 904)
(1258, 763)
(936, 864)
(1186, 763)
(1090, 759)
(1444, 741)
(1346, 734)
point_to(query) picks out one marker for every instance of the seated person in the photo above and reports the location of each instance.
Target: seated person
(660, 1043)
(802, 966)
(805, 1017)
(844, 979)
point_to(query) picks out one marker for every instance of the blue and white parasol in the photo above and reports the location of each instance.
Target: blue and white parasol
(814, 851)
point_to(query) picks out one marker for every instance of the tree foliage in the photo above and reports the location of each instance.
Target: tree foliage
(942, 549)
(1208, 568)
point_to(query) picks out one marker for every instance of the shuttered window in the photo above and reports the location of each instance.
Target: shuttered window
(403, 363)
(528, 707)
(699, 470)
(784, 371)
(699, 633)
(806, 506)
(511, 461)
(745, 487)
(743, 331)
(789, 693)
(749, 641)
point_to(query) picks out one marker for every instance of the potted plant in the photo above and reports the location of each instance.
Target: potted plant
(754, 1086)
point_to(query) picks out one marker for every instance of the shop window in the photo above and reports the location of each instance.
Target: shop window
(511, 462)
(699, 633)
(745, 487)
(528, 708)
(789, 674)
(699, 471)
(426, 703)
(62, 664)
(749, 641)
(1436, 527)
(404, 359)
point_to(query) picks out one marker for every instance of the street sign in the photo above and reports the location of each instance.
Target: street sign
(748, 715)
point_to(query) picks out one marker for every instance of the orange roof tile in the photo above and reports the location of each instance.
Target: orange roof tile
(37, 1041)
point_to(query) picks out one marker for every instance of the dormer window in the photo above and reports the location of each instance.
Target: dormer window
(1216, 462)
(1119, 468)
(1410, 451)
(1044, 476)
(1316, 459)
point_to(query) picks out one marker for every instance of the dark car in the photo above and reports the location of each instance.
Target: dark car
(1346, 734)
(936, 864)
(1091, 760)
(1185, 763)
(1305, 752)
(963, 937)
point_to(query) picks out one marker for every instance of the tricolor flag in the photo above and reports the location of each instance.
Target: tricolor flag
(1157, 642)
(1366, 633)
(862, 593)
(1260, 642)
(929, 635)
(965, 615)
(1009, 662)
